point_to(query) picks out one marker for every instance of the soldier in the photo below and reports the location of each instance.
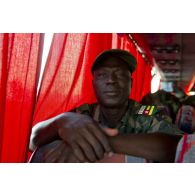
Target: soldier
(89, 132)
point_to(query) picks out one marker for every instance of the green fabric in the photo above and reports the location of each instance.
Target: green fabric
(132, 122)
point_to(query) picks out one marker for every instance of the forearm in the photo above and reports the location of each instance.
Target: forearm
(157, 146)
(44, 132)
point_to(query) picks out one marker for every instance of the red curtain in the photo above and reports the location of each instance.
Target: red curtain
(141, 79)
(20, 56)
(67, 78)
(142, 76)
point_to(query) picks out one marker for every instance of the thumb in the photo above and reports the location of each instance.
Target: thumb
(110, 132)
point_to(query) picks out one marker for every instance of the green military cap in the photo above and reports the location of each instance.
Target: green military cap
(122, 54)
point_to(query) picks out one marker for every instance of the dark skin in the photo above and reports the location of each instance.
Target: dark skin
(157, 146)
(112, 84)
(86, 140)
(80, 132)
(60, 152)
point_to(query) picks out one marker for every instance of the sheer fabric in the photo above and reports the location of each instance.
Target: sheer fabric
(19, 69)
(67, 80)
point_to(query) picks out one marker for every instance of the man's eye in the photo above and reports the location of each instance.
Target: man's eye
(101, 75)
(122, 74)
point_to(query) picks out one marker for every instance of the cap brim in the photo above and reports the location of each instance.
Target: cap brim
(122, 54)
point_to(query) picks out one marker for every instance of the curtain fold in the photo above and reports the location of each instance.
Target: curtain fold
(20, 57)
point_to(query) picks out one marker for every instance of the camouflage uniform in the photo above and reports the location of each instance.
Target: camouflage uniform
(137, 119)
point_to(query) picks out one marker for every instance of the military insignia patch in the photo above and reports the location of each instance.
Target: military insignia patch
(146, 110)
(141, 110)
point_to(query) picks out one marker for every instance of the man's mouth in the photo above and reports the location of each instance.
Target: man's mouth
(111, 93)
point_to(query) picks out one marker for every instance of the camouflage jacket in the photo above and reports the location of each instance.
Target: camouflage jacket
(137, 119)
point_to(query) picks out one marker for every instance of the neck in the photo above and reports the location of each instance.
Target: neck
(112, 116)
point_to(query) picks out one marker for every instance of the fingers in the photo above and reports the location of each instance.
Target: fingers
(86, 137)
(72, 159)
(110, 132)
(54, 154)
(94, 143)
(49, 151)
(78, 152)
(87, 150)
(59, 152)
(64, 156)
(99, 134)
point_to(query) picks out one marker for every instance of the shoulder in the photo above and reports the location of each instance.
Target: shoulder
(162, 122)
(150, 118)
(160, 112)
(138, 109)
(85, 109)
(139, 116)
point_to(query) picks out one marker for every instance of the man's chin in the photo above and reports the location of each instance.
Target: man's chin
(111, 104)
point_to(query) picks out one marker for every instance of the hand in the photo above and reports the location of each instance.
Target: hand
(84, 135)
(55, 152)
(58, 152)
(110, 132)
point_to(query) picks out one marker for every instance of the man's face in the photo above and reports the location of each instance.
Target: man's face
(112, 82)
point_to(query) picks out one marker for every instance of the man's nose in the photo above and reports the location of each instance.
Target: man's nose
(111, 79)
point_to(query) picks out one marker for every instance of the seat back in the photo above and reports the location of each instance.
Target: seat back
(186, 149)
(186, 118)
